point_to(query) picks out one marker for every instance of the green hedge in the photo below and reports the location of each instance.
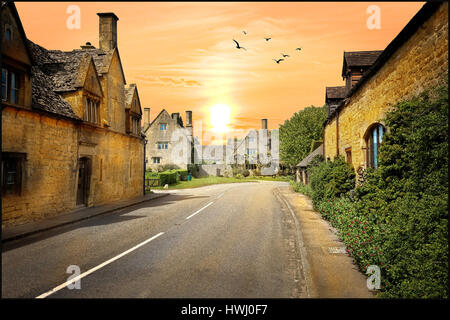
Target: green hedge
(167, 177)
(182, 174)
(397, 218)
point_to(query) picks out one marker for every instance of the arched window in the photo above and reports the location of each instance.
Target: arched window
(374, 137)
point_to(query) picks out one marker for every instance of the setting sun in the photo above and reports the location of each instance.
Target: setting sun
(220, 117)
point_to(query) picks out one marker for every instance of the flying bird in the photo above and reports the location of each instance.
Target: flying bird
(238, 46)
(285, 55)
(267, 39)
(278, 61)
(244, 32)
(298, 49)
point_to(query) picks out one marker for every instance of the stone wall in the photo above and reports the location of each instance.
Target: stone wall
(50, 174)
(205, 170)
(419, 64)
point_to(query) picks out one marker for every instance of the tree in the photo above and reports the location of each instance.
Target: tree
(298, 133)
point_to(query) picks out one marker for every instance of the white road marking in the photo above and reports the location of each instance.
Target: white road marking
(62, 286)
(198, 211)
(220, 195)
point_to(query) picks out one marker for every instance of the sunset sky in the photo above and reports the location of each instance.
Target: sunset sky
(182, 56)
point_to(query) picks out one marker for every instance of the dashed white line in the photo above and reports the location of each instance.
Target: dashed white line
(84, 274)
(198, 211)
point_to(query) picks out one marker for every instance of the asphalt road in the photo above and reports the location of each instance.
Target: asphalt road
(222, 241)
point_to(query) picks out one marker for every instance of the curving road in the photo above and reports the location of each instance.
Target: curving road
(222, 241)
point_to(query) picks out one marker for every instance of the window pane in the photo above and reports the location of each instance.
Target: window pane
(4, 83)
(375, 147)
(380, 132)
(13, 86)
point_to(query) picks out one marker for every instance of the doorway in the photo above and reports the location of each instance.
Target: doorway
(83, 181)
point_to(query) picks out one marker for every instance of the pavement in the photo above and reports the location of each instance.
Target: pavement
(331, 272)
(27, 229)
(246, 240)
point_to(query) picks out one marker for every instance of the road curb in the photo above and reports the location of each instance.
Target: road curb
(300, 247)
(36, 231)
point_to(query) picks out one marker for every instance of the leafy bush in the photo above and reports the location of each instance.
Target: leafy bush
(245, 173)
(302, 188)
(167, 177)
(397, 217)
(182, 174)
(331, 179)
(167, 167)
(298, 133)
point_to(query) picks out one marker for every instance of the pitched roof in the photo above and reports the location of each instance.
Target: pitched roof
(307, 160)
(335, 92)
(359, 59)
(44, 98)
(428, 9)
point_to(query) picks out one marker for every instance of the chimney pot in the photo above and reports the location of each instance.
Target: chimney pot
(264, 123)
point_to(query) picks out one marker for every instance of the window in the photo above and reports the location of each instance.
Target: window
(163, 145)
(135, 125)
(373, 140)
(4, 84)
(163, 126)
(8, 33)
(10, 85)
(11, 172)
(91, 111)
(251, 152)
(251, 139)
(348, 153)
(156, 160)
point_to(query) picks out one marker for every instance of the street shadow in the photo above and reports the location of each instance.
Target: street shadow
(108, 218)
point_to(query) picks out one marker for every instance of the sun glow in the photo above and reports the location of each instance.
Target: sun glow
(220, 117)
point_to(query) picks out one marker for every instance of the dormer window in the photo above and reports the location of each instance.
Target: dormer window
(163, 126)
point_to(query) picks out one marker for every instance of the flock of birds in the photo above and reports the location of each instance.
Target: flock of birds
(238, 46)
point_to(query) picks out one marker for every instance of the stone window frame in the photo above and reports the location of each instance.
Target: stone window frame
(160, 143)
(162, 126)
(154, 160)
(86, 115)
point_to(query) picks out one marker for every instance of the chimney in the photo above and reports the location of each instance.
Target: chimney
(107, 31)
(264, 123)
(188, 118)
(146, 116)
(175, 116)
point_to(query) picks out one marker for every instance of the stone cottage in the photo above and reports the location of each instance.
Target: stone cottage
(68, 125)
(169, 141)
(416, 60)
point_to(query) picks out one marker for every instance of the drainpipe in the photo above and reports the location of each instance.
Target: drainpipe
(145, 167)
